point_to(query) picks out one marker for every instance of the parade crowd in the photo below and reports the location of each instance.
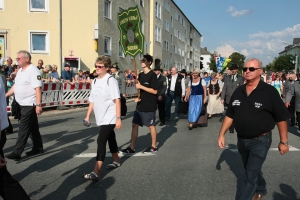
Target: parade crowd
(255, 100)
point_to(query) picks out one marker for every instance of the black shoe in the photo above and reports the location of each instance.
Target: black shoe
(231, 131)
(34, 152)
(13, 156)
(161, 124)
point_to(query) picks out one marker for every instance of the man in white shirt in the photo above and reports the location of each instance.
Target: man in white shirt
(175, 91)
(28, 94)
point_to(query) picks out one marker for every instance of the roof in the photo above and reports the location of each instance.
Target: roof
(204, 51)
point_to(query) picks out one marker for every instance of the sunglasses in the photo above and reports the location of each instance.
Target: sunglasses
(100, 67)
(251, 69)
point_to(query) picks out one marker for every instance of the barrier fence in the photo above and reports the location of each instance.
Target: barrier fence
(65, 94)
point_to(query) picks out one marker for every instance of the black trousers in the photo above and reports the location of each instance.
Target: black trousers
(291, 109)
(106, 133)
(298, 118)
(28, 126)
(10, 189)
(161, 105)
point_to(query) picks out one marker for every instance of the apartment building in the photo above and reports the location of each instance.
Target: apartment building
(77, 32)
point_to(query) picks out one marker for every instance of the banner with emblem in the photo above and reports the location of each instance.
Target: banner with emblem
(221, 63)
(131, 36)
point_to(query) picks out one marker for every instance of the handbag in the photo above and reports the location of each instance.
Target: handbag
(203, 110)
(183, 107)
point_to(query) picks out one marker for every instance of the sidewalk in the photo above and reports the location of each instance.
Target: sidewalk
(51, 112)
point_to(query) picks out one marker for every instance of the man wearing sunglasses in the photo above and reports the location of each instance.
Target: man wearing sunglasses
(254, 109)
(231, 82)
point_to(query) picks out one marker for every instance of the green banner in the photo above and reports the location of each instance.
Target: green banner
(131, 36)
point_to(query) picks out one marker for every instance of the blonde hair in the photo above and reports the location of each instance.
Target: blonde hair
(48, 67)
(104, 60)
(196, 70)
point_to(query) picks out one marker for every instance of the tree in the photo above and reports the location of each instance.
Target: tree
(283, 63)
(238, 59)
(212, 63)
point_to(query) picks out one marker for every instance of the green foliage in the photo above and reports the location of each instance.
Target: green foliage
(238, 59)
(212, 63)
(283, 63)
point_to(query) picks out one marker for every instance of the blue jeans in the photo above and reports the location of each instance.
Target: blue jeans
(254, 152)
(169, 101)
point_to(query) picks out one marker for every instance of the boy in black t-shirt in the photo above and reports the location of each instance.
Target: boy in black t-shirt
(144, 114)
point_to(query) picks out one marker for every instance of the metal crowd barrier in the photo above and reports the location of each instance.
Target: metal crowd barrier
(60, 94)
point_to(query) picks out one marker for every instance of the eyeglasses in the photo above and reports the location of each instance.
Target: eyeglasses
(251, 69)
(99, 66)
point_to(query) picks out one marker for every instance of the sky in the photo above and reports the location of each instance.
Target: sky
(254, 28)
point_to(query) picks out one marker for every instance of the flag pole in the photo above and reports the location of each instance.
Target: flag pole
(136, 80)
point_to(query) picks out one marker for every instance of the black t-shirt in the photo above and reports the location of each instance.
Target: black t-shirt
(148, 101)
(257, 113)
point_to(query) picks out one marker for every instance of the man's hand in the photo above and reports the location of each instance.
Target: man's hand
(136, 100)
(221, 141)
(287, 104)
(118, 123)
(222, 101)
(38, 110)
(159, 98)
(283, 149)
(2, 162)
(124, 95)
(138, 85)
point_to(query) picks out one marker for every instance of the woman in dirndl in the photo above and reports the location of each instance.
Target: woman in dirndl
(196, 96)
(214, 91)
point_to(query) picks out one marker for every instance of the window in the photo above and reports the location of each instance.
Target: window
(121, 53)
(171, 39)
(39, 42)
(1, 4)
(157, 34)
(166, 64)
(107, 9)
(157, 10)
(107, 45)
(167, 5)
(172, 22)
(176, 15)
(38, 5)
(166, 25)
(166, 45)
(142, 3)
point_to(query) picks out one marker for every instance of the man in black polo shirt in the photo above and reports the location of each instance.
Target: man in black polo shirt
(254, 109)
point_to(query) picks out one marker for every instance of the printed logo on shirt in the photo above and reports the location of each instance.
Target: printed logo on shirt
(146, 83)
(257, 105)
(39, 77)
(236, 103)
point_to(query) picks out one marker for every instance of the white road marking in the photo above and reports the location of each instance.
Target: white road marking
(271, 149)
(92, 155)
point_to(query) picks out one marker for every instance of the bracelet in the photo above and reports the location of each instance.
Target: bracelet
(284, 143)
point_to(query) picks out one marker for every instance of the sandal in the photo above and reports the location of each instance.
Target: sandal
(113, 165)
(91, 176)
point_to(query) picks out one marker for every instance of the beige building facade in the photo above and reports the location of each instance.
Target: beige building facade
(76, 32)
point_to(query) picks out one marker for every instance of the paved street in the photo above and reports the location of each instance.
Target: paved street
(188, 164)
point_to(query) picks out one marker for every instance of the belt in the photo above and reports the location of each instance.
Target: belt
(260, 135)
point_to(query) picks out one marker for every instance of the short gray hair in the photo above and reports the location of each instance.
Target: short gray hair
(252, 59)
(25, 53)
(48, 67)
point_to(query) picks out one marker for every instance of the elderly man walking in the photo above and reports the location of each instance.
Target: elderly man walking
(255, 108)
(28, 94)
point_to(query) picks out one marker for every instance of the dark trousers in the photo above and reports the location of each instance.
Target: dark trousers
(298, 118)
(171, 96)
(106, 133)
(291, 109)
(28, 126)
(161, 105)
(253, 152)
(10, 189)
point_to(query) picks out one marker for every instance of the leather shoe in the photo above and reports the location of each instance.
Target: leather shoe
(257, 197)
(13, 156)
(161, 124)
(34, 152)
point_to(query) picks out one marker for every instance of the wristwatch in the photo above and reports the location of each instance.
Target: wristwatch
(39, 105)
(284, 143)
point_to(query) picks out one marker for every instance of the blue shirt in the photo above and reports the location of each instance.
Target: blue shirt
(66, 75)
(54, 75)
(207, 79)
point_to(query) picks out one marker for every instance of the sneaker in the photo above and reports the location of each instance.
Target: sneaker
(176, 118)
(13, 156)
(151, 150)
(128, 150)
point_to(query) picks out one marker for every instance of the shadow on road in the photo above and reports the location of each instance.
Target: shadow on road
(288, 193)
(234, 161)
